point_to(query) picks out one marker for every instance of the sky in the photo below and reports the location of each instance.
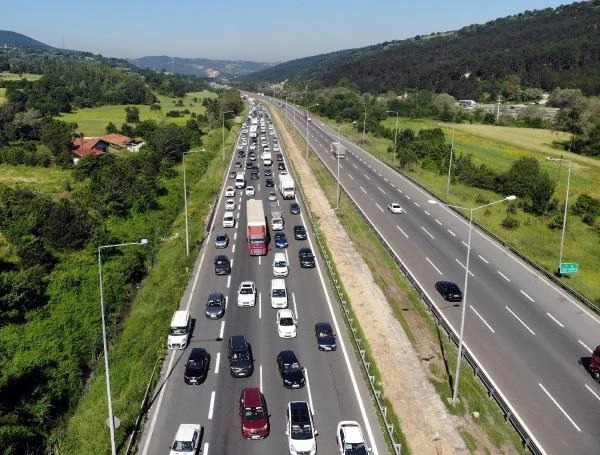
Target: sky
(256, 30)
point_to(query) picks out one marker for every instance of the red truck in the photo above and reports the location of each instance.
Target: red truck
(595, 364)
(256, 231)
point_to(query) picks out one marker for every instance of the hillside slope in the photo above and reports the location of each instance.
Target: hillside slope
(13, 39)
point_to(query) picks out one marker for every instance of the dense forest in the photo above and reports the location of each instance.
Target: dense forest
(547, 49)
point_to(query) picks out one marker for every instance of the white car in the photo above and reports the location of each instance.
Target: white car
(300, 428)
(276, 147)
(280, 265)
(246, 294)
(350, 439)
(249, 191)
(394, 207)
(187, 440)
(230, 191)
(286, 323)
(228, 220)
(272, 196)
(229, 204)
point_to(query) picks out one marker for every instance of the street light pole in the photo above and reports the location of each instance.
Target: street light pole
(364, 125)
(187, 242)
(395, 136)
(223, 143)
(465, 286)
(307, 108)
(450, 165)
(111, 419)
(337, 204)
(564, 225)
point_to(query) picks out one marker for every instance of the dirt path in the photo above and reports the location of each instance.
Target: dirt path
(428, 427)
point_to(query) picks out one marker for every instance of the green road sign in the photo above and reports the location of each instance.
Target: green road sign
(568, 267)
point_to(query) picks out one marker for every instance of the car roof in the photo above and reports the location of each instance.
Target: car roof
(305, 250)
(186, 431)
(246, 284)
(323, 326)
(215, 296)
(285, 313)
(237, 341)
(352, 431)
(197, 353)
(251, 397)
(221, 257)
(288, 356)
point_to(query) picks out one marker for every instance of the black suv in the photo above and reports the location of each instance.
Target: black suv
(196, 366)
(325, 336)
(292, 373)
(241, 362)
(222, 265)
(307, 258)
(299, 232)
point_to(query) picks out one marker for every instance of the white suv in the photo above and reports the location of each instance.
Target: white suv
(246, 294)
(300, 429)
(350, 439)
(187, 440)
(228, 220)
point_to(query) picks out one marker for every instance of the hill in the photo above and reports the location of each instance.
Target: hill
(13, 39)
(554, 47)
(202, 67)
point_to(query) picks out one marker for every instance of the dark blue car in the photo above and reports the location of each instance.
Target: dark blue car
(281, 240)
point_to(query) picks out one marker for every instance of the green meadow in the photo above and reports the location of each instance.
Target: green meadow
(4, 76)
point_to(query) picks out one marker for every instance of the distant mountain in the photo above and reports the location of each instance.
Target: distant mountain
(554, 47)
(202, 67)
(13, 39)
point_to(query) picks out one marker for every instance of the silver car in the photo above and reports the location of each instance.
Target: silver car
(222, 240)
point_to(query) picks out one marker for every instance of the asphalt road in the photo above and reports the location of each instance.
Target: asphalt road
(529, 336)
(335, 388)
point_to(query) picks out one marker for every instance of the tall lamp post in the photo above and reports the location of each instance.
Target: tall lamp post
(466, 283)
(562, 237)
(395, 135)
(223, 143)
(450, 165)
(337, 204)
(364, 124)
(111, 419)
(187, 242)
(307, 108)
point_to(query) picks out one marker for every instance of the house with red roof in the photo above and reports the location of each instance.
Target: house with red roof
(88, 147)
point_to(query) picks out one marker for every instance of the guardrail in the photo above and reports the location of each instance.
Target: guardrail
(529, 441)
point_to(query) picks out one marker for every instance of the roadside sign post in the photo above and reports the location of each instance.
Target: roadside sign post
(568, 267)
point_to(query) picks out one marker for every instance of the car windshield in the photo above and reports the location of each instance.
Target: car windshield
(221, 238)
(357, 448)
(214, 303)
(183, 446)
(325, 333)
(301, 432)
(195, 364)
(278, 293)
(291, 367)
(254, 413)
(239, 355)
(280, 264)
(257, 240)
(246, 290)
(222, 261)
(286, 321)
(178, 331)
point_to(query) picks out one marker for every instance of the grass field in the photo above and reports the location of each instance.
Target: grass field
(4, 76)
(46, 180)
(93, 121)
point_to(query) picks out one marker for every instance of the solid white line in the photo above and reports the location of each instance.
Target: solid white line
(530, 299)
(585, 346)
(205, 449)
(559, 407)
(217, 362)
(363, 190)
(450, 232)
(312, 409)
(482, 320)
(555, 320)
(378, 206)
(426, 232)
(295, 307)
(400, 229)
(437, 270)
(517, 318)
(503, 275)
(461, 264)
(593, 393)
(259, 305)
(381, 189)
(482, 258)
(222, 331)
(211, 406)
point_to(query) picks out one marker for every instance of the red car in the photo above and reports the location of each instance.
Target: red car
(254, 414)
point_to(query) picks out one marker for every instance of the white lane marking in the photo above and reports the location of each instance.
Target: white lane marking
(393, 186)
(559, 407)
(260, 378)
(378, 206)
(463, 266)
(399, 190)
(363, 190)
(381, 189)
(231, 263)
(427, 213)
(463, 242)
(427, 232)
(593, 393)
(407, 196)
(233, 248)
(518, 319)
(355, 165)
(211, 406)
(222, 331)
(523, 292)
(367, 177)
(295, 307)
(503, 275)
(351, 177)
(433, 265)
(385, 179)
(259, 305)
(555, 320)
(482, 258)
(312, 409)
(217, 362)
(416, 203)
(450, 232)
(585, 346)
(205, 449)
(400, 229)
(226, 301)
(228, 281)
(235, 236)
(482, 320)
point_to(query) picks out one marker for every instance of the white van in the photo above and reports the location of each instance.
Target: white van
(228, 220)
(240, 180)
(179, 332)
(279, 297)
(280, 265)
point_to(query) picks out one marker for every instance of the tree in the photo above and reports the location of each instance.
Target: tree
(57, 136)
(169, 141)
(132, 114)
(111, 128)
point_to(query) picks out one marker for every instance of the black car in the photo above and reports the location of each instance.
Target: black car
(307, 258)
(241, 362)
(449, 290)
(281, 166)
(279, 157)
(222, 265)
(237, 164)
(300, 232)
(269, 183)
(268, 172)
(294, 208)
(254, 175)
(196, 367)
(292, 373)
(215, 306)
(325, 336)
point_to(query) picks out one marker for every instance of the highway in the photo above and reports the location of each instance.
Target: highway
(335, 386)
(528, 335)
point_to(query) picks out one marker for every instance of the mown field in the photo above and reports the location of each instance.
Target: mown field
(93, 121)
